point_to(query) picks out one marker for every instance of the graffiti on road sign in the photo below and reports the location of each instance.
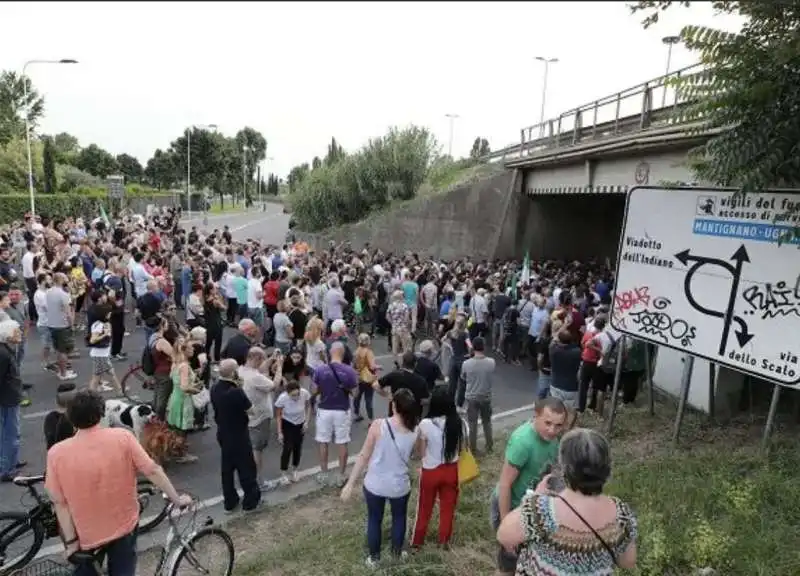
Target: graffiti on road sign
(662, 325)
(771, 300)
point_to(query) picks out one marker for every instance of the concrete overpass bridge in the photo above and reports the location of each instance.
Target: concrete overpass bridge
(571, 172)
(561, 193)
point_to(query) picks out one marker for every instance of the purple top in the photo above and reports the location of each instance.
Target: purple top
(333, 393)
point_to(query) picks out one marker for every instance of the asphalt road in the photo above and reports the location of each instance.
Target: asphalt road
(515, 388)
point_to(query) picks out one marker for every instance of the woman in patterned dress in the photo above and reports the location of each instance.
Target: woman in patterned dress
(567, 526)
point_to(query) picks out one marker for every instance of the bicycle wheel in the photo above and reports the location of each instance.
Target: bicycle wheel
(212, 543)
(150, 500)
(135, 382)
(15, 529)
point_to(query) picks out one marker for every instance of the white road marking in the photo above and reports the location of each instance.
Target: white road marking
(332, 465)
(254, 222)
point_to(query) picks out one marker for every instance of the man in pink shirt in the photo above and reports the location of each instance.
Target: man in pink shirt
(91, 479)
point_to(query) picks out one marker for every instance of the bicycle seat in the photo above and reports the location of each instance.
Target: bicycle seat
(27, 481)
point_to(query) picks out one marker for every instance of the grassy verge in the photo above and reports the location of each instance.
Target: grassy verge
(713, 503)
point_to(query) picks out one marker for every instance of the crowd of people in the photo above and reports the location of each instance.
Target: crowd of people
(304, 324)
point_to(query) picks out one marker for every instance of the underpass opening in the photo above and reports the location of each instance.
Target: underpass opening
(571, 226)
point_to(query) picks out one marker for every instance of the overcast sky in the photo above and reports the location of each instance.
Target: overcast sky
(303, 72)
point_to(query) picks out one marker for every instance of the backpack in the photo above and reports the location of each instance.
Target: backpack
(610, 360)
(148, 362)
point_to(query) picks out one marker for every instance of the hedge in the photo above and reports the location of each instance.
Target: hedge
(86, 204)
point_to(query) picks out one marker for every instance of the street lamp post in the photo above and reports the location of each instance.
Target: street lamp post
(547, 62)
(670, 41)
(27, 120)
(245, 150)
(189, 165)
(452, 118)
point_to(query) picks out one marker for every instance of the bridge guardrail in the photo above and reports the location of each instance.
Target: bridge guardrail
(628, 111)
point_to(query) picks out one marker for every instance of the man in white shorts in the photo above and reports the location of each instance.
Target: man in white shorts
(333, 385)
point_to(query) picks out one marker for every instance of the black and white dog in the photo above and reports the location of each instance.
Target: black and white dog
(123, 414)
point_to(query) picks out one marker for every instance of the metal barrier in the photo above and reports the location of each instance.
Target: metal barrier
(625, 112)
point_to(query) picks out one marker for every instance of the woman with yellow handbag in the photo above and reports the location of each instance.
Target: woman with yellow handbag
(446, 463)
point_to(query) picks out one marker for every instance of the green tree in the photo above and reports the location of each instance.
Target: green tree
(130, 167)
(14, 165)
(256, 148)
(66, 148)
(480, 148)
(316, 163)
(297, 175)
(49, 166)
(273, 185)
(388, 168)
(96, 161)
(14, 106)
(335, 153)
(748, 90)
(161, 170)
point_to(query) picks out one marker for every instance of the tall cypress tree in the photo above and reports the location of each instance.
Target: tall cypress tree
(49, 166)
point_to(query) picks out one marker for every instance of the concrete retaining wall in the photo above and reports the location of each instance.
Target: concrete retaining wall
(492, 219)
(466, 221)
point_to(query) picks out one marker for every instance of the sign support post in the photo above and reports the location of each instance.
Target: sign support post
(617, 378)
(773, 409)
(712, 390)
(686, 383)
(648, 363)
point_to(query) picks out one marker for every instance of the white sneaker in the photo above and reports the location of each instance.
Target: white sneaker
(68, 375)
(371, 562)
(106, 388)
(285, 480)
(294, 476)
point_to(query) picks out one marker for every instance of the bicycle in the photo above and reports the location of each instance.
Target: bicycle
(178, 546)
(41, 521)
(135, 382)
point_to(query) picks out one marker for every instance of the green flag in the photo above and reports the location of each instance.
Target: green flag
(525, 277)
(104, 216)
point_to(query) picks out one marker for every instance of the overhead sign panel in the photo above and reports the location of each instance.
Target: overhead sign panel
(701, 270)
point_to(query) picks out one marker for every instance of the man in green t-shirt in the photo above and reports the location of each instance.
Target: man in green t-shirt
(531, 450)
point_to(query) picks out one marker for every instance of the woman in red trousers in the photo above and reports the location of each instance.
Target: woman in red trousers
(442, 434)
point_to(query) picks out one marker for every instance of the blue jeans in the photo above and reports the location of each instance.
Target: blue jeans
(375, 508)
(20, 352)
(120, 555)
(9, 440)
(367, 392)
(543, 390)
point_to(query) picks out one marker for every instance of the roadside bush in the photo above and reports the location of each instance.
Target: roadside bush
(85, 204)
(388, 168)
